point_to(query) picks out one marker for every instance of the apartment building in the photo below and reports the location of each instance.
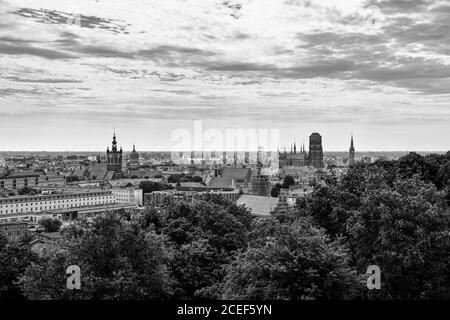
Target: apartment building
(19, 205)
(128, 195)
(13, 229)
(29, 180)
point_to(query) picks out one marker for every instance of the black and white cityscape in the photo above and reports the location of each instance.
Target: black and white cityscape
(255, 150)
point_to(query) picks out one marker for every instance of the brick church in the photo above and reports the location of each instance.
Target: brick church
(302, 158)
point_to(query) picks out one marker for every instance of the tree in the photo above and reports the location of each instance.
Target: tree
(50, 224)
(442, 179)
(14, 259)
(275, 192)
(293, 262)
(288, 181)
(429, 168)
(404, 230)
(73, 178)
(3, 241)
(150, 186)
(26, 191)
(177, 178)
(196, 266)
(118, 260)
(205, 234)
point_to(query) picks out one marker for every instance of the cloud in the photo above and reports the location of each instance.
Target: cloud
(24, 48)
(289, 62)
(18, 79)
(84, 21)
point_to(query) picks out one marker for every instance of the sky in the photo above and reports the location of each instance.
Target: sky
(71, 71)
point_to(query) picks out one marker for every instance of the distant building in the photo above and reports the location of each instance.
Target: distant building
(282, 205)
(313, 158)
(260, 206)
(18, 180)
(13, 229)
(223, 182)
(294, 158)
(128, 195)
(241, 176)
(261, 183)
(114, 161)
(14, 181)
(134, 158)
(351, 152)
(28, 206)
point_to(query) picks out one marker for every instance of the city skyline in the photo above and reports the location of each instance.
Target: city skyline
(69, 72)
(128, 147)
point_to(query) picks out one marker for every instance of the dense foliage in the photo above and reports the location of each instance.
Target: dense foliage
(177, 178)
(50, 224)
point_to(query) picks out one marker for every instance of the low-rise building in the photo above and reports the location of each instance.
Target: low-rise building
(29, 204)
(33, 180)
(13, 229)
(19, 181)
(128, 195)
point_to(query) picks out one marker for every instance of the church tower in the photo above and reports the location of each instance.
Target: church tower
(134, 158)
(114, 158)
(351, 152)
(315, 156)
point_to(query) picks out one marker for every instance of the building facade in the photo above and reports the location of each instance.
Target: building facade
(13, 229)
(17, 182)
(134, 158)
(315, 156)
(260, 183)
(128, 195)
(11, 207)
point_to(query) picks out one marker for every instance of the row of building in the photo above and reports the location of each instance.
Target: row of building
(67, 203)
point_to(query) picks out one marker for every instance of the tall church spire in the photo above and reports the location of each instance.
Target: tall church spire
(351, 152)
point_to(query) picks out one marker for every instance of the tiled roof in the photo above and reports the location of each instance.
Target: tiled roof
(222, 182)
(109, 175)
(192, 184)
(98, 172)
(237, 173)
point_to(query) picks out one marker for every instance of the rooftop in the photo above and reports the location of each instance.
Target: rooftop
(259, 205)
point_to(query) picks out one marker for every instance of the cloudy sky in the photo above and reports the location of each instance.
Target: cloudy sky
(72, 70)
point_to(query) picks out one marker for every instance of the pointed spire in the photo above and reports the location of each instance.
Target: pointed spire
(114, 142)
(295, 148)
